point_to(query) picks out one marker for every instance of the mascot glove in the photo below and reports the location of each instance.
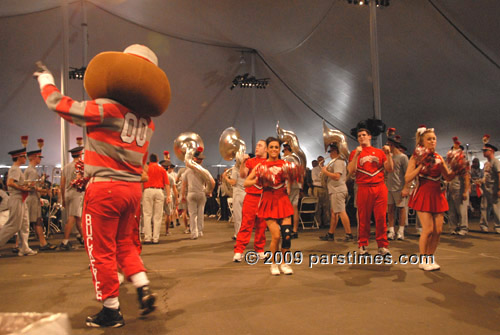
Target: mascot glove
(43, 75)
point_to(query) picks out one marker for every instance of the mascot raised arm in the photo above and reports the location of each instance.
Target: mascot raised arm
(127, 89)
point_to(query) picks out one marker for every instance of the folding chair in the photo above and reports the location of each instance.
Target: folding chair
(307, 212)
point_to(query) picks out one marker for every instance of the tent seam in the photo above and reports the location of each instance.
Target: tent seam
(463, 35)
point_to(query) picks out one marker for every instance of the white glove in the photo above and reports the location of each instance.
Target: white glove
(43, 75)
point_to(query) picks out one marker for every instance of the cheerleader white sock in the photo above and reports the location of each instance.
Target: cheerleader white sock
(121, 278)
(139, 279)
(401, 229)
(112, 303)
(391, 229)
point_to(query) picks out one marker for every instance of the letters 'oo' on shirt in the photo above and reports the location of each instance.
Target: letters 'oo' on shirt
(118, 138)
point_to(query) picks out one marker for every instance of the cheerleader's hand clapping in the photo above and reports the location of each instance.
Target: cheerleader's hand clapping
(252, 177)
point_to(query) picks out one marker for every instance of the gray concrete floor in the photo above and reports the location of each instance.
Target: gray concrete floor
(201, 291)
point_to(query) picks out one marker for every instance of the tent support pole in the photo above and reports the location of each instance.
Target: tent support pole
(64, 77)
(375, 66)
(253, 103)
(85, 40)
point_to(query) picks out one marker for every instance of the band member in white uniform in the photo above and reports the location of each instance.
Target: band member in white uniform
(337, 189)
(193, 190)
(18, 221)
(33, 199)
(398, 191)
(458, 198)
(238, 195)
(72, 200)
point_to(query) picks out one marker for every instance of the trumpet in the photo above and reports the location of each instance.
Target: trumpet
(231, 145)
(298, 157)
(185, 146)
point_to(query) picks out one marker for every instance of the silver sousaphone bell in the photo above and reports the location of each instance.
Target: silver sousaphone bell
(298, 157)
(185, 146)
(335, 136)
(231, 146)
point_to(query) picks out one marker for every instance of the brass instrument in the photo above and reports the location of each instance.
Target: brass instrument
(338, 138)
(335, 136)
(298, 157)
(185, 146)
(231, 145)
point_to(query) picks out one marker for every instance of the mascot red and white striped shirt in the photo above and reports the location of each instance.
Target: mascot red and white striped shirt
(118, 138)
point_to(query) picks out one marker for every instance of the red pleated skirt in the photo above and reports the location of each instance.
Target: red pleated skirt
(429, 197)
(275, 204)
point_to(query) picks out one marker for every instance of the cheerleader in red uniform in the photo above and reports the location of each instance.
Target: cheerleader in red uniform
(275, 206)
(429, 198)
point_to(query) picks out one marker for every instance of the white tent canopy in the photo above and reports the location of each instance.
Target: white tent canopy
(439, 66)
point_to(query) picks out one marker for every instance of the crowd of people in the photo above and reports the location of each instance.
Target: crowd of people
(116, 202)
(385, 183)
(260, 194)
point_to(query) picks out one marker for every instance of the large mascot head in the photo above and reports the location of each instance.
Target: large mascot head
(131, 77)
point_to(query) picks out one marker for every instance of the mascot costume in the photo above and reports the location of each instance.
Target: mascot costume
(127, 89)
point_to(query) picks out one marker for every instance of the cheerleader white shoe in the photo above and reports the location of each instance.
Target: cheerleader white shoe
(275, 271)
(423, 263)
(432, 266)
(286, 269)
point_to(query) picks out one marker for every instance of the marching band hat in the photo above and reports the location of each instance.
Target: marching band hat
(457, 142)
(164, 164)
(35, 152)
(18, 153)
(488, 146)
(199, 153)
(333, 146)
(287, 147)
(76, 151)
(397, 143)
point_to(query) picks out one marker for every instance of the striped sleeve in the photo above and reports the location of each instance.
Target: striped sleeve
(85, 113)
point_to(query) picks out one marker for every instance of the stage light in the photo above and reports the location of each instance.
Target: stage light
(379, 3)
(244, 81)
(75, 73)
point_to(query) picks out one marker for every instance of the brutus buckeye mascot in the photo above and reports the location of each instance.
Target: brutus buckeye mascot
(127, 88)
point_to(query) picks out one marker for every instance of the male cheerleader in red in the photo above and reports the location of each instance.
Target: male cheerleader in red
(250, 207)
(119, 132)
(369, 164)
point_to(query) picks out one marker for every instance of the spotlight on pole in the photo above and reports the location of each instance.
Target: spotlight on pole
(75, 73)
(244, 81)
(379, 3)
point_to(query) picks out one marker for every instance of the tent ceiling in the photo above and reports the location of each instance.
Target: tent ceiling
(440, 69)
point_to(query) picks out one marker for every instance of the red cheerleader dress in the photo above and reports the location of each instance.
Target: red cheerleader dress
(274, 202)
(429, 195)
